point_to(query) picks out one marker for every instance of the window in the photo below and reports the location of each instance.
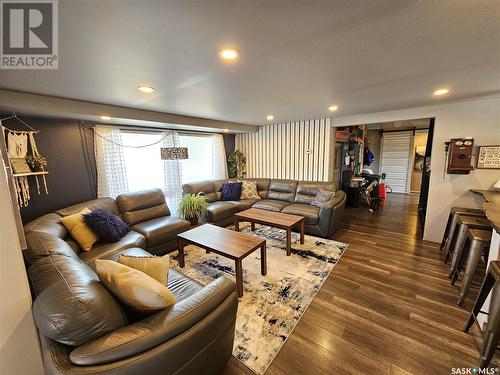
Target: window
(143, 165)
(199, 166)
(131, 161)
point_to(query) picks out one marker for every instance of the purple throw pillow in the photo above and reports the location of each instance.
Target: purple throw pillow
(231, 191)
(108, 227)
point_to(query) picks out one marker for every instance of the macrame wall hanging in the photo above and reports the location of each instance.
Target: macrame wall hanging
(24, 159)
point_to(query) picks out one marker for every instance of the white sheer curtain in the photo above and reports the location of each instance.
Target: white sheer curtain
(110, 162)
(173, 174)
(219, 165)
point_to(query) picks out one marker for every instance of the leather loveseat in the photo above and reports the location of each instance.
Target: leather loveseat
(83, 329)
(287, 196)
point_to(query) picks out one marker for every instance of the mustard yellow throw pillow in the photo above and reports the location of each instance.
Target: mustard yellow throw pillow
(80, 231)
(156, 267)
(133, 287)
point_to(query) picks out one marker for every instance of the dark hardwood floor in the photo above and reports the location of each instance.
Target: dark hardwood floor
(387, 307)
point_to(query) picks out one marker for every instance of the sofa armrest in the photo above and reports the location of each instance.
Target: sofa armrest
(154, 330)
(331, 213)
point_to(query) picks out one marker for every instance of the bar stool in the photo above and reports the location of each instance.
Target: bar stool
(492, 333)
(452, 223)
(464, 223)
(479, 241)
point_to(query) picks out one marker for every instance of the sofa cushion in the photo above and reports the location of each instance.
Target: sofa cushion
(307, 190)
(217, 211)
(143, 205)
(283, 190)
(47, 224)
(310, 213)
(271, 205)
(205, 187)
(182, 286)
(231, 191)
(103, 249)
(244, 204)
(322, 197)
(133, 287)
(161, 230)
(71, 305)
(249, 190)
(154, 266)
(41, 245)
(262, 185)
(108, 227)
(107, 204)
(79, 230)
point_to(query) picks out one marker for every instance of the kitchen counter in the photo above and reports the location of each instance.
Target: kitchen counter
(491, 206)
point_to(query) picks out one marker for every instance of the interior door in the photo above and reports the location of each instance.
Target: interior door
(395, 163)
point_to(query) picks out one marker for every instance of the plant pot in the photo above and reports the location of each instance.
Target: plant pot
(193, 220)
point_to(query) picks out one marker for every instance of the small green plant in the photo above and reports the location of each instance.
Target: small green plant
(192, 207)
(36, 162)
(236, 164)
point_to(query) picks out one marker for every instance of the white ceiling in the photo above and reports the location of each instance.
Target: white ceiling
(297, 57)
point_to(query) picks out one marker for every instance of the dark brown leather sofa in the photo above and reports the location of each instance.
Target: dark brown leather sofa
(83, 329)
(288, 196)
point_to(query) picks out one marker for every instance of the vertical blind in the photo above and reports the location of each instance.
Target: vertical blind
(296, 150)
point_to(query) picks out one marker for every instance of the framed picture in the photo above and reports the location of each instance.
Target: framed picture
(488, 157)
(19, 165)
(419, 158)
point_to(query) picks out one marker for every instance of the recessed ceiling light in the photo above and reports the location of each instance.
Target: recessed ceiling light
(270, 117)
(333, 108)
(441, 92)
(105, 118)
(146, 89)
(229, 53)
(226, 130)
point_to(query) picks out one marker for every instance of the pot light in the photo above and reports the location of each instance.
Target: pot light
(226, 130)
(229, 53)
(333, 108)
(146, 89)
(441, 92)
(270, 117)
(105, 118)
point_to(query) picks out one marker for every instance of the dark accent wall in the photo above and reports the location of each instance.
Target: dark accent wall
(71, 177)
(229, 142)
(69, 149)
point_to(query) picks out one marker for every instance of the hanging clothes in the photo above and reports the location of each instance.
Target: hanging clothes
(368, 157)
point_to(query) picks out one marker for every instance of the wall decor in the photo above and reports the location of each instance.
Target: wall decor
(488, 157)
(19, 165)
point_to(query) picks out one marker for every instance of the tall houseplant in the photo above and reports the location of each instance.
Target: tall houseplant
(236, 164)
(192, 207)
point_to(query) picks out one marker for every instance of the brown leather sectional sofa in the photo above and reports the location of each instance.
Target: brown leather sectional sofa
(83, 329)
(288, 196)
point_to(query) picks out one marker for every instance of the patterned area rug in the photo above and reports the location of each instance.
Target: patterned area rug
(271, 305)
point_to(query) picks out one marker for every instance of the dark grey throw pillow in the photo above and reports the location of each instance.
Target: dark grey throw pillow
(322, 197)
(107, 227)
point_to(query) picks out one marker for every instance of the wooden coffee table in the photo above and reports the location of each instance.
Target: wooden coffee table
(274, 219)
(227, 243)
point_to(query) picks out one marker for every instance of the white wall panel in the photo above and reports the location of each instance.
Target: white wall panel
(296, 150)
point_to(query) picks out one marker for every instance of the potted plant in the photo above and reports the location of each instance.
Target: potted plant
(36, 162)
(236, 164)
(192, 207)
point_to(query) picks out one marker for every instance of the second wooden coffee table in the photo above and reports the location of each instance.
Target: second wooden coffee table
(274, 219)
(225, 242)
